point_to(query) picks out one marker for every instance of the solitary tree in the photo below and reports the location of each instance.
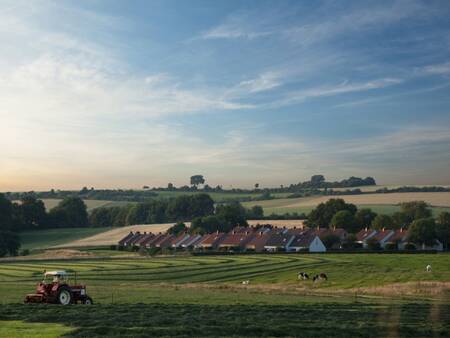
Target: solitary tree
(197, 180)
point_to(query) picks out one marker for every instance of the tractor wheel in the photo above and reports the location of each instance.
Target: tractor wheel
(88, 301)
(64, 296)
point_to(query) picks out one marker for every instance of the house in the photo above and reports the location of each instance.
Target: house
(278, 241)
(132, 240)
(198, 242)
(364, 235)
(383, 236)
(180, 239)
(149, 242)
(191, 241)
(337, 232)
(144, 239)
(309, 241)
(211, 241)
(236, 239)
(126, 239)
(258, 241)
(164, 241)
(400, 237)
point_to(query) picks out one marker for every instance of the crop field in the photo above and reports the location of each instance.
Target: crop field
(365, 296)
(382, 203)
(43, 239)
(50, 203)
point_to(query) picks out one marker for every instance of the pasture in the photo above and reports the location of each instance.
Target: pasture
(381, 203)
(203, 296)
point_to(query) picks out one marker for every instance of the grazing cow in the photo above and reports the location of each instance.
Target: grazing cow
(428, 268)
(303, 275)
(245, 282)
(320, 276)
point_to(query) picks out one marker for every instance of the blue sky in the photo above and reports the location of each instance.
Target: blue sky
(126, 93)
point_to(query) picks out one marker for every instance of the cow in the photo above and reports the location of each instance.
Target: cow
(428, 268)
(303, 276)
(245, 282)
(320, 276)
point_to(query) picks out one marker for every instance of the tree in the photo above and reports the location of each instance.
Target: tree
(443, 229)
(423, 231)
(382, 221)
(255, 212)
(70, 212)
(330, 240)
(169, 186)
(197, 180)
(317, 180)
(344, 219)
(364, 217)
(31, 213)
(400, 220)
(231, 215)
(415, 210)
(9, 243)
(256, 186)
(177, 228)
(208, 224)
(321, 215)
(6, 214)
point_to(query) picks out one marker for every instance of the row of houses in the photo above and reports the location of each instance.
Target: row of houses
(239, 239)
(267, 239)
(384, 236)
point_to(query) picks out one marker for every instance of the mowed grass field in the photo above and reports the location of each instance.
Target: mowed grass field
(381, 203)
(203, 296)
(43, 239)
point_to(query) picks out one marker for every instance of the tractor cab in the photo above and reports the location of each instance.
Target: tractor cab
(55, 288)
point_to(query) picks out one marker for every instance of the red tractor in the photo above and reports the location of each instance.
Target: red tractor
(55, 289)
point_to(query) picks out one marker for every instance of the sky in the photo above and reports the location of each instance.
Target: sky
(121, 94)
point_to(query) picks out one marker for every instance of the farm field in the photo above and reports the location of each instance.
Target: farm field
(43, 239)
(50, 203)
(383, 203)
(180, 296)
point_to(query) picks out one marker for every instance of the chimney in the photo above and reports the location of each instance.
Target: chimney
(217, 232)
(295, 227)
(334, 227)
(365, 229)
(234, 232)
(401, 229)
(383, 229)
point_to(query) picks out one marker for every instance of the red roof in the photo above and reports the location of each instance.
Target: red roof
(126, 238)
(304, 240)
(212, 239)
(382, 234)
(145, 238)
(278, 239)
(259, 240)
(399, 235)
(236, 239)
(364, 234)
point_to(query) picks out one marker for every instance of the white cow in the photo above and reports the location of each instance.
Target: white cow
(428, 268)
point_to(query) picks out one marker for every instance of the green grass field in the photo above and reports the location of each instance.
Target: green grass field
(50, 203)
(203, 296)
(43, 239)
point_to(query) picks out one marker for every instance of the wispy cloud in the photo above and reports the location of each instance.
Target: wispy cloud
(342, 88)
(438, 69)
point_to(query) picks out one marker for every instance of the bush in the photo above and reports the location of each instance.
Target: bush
(373, 244)
(142, 251)
(120, 248)
(25, 252)
(391, 246)
(410, 246)
(113, 247)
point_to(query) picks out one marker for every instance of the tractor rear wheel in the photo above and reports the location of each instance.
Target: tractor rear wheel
(64, 296)
(88, 301)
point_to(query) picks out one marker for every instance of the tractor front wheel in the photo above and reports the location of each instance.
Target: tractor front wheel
(64, 296)
(88, 301)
